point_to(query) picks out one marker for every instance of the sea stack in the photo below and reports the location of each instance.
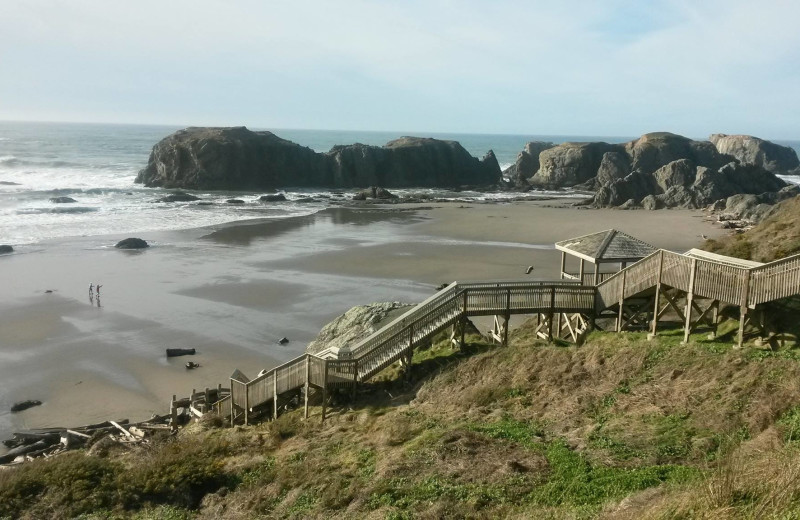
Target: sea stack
(239, 159)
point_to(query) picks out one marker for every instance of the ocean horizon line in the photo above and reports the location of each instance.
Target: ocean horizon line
(416, 133)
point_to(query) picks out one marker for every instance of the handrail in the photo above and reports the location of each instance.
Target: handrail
(358, 362)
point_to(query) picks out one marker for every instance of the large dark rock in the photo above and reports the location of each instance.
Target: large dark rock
(132, 243)
(237, 158)
(527, 163)
(756, 207)
(5, 248)
(179, 196)
(374, 192)
(62, 200)
(569, 164)
(24, 405)
(654, 150)
(752, 150)
(681, 184)
(277, 197)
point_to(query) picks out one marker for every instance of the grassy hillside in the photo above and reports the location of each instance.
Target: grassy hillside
(618, 428)
(775, 237)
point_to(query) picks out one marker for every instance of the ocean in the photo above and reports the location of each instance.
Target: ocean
(96, 164)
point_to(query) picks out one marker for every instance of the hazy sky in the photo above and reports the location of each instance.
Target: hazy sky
(535, 67)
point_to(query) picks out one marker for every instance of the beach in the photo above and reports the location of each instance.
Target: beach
(232, 291)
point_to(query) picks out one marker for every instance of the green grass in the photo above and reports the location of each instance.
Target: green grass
(574, 481)
(527, 434)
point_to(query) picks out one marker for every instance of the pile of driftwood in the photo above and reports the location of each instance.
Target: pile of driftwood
(47, 442)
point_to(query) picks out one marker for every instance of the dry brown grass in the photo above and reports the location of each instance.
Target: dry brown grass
(775, 237)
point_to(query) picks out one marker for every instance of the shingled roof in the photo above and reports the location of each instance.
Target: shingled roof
(606, 246)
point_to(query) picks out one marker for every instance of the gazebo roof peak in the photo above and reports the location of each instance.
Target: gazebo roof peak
(606, 246)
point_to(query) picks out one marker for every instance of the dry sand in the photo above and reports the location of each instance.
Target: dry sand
(233, 291)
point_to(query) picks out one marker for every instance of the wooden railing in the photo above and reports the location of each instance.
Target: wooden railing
(588, 277)
(346, 366)
(359, 362)
(775, 280)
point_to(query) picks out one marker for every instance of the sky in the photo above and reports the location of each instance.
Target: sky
(600, 67)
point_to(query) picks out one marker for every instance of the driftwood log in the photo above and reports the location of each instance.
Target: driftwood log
(175, 352)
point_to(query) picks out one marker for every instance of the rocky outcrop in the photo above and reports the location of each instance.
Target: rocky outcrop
(237, 158)
(755, 208)
(62, 200)
(682, 184)
(179, 197)
(569, 164)
(654, 150)
(275, 197)
(355, 325)
(527, 163)
(374, 192)
(5, 249)
(752, 150)
(132, 243)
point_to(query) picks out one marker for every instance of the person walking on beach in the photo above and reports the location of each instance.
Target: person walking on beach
(98, 290)
(91, 290)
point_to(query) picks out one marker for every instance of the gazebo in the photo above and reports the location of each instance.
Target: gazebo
(605, 247)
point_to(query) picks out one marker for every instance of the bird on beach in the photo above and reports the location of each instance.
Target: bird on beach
(703, 237)
(529, 269)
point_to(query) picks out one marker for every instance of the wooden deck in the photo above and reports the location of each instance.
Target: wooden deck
(659, 276)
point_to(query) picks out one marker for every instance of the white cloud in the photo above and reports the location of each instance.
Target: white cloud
(608, 67)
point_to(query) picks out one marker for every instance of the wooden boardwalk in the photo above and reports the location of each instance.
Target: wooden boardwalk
(641, 293)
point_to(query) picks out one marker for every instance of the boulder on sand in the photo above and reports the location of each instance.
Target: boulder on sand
(355, 325)
(132, 243)
(24, 405)
(5, 248)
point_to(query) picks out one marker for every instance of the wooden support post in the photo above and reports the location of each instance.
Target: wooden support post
(743, 307)
(550, 314)
(246, 404)
(596, 274)
(687, 329)
(324, 390)
(307, 387)
(233, 406)
(355, 379)
(207, 406)
(508, 318)
(580, 271)
(654, 329)
(563, 263)
(715, 320)
(173, 414)
(274, 394)
(621, 301)
(463, 329)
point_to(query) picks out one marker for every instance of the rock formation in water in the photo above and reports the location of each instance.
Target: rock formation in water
(569, 164)
(752, 150)
(682, 184)
(527, 163)
(5, 249)
(664, 170)
(237, 158)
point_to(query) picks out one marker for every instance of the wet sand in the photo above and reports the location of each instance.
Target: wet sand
(231, 292)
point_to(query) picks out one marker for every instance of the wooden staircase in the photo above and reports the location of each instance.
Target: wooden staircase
(627, 292)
